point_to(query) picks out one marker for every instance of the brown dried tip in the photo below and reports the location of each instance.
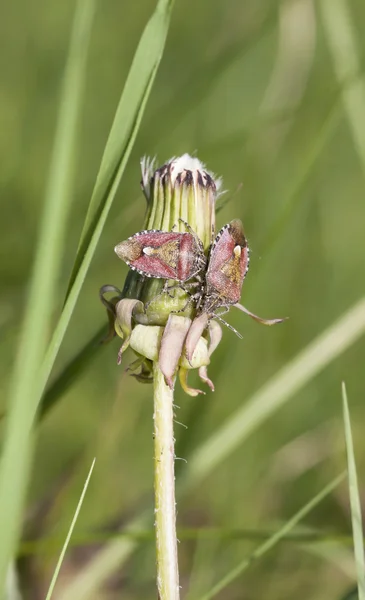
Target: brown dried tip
(260, 319)
(203, 374)
(183, 376)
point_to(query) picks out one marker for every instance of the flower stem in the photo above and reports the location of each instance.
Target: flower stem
(165, 514)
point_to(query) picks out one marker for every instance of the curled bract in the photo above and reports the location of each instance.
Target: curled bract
(165, 345)
(125, 310)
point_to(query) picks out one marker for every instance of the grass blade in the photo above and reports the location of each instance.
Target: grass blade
(121, 139)
(124, 129)
(341, 38)
(23, 398)
(89, 579)
(354, 499)
(274, 539)
(308, 538)
(68, 537)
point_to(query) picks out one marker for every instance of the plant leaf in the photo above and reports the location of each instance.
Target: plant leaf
(68, 537)
(274, 539)
(23, 399)
(125, 126)
(356, 517)
(341, 38)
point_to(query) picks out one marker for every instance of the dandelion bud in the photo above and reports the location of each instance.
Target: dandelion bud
(156, 311)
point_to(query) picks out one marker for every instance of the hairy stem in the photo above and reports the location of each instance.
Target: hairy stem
(165, 514)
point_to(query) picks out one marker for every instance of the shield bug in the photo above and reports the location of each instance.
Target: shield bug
(164, 255)
(227, 267)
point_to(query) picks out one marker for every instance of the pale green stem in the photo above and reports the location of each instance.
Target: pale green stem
(165, 513)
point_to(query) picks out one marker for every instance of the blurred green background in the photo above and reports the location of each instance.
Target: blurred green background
(259, 92)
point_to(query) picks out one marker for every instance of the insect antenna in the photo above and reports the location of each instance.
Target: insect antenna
(229, 326)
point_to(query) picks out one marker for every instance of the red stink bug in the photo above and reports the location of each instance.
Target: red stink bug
(228, 264)
(227, 267)
(164, 255)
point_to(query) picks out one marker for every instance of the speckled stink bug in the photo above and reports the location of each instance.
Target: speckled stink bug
(164, 255)
(227, 267)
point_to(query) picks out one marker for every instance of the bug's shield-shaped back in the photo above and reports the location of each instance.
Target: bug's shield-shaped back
(161, 254)
(228, 265)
